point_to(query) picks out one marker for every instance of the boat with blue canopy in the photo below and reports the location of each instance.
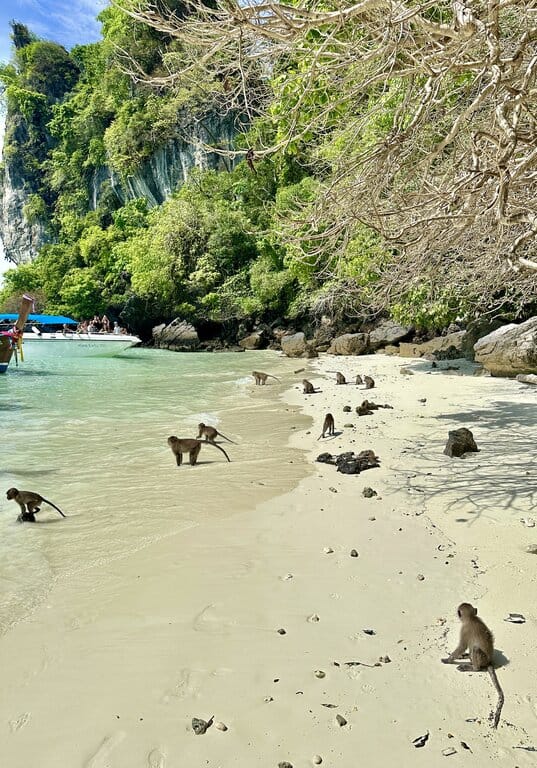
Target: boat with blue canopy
(55, 334)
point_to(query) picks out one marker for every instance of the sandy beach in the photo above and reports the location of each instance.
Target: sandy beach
(111, 669)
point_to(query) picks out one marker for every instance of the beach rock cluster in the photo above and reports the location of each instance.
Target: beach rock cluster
(178, 335)
(349, 463)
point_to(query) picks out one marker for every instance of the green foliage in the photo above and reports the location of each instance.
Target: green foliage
(426, 309)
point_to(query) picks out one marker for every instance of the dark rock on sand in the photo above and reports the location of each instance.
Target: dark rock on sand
(460, 441)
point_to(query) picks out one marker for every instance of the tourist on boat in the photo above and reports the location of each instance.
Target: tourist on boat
(66, 329)
(106, 324)
(117, 327)
(97, 323)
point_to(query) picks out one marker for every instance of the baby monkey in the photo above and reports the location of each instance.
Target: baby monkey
(261, 378)
(369, 382)
(478, 639)
(340, 378)
(30, 504)
(328, 426)
(211, 433)
(190, 446)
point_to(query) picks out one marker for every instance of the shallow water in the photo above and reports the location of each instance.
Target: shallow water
(90, 434)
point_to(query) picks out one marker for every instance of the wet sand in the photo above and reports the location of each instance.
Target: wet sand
(111, 670)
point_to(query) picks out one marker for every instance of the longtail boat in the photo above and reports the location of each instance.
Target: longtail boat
(11, 340)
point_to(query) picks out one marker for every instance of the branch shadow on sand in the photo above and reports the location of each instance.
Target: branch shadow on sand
(500, 478)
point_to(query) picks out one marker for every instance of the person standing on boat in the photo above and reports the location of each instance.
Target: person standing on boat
(106, 324)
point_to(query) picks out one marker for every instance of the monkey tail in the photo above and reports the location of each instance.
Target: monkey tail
(501, 697)
(55, 507)
(273, 377)
(220, 449)
(227, 438)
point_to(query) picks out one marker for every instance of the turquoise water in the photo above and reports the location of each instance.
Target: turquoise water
(90, 434)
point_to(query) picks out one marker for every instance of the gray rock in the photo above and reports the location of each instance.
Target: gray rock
(510, 350)
(387, 332)
(178, 335)
(255, 340)
(527, 378)
(295, 345)
(349, 344)
(460, 441)
(476, 330)
(447, 347)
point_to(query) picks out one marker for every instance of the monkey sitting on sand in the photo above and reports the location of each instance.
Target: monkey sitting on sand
(340, 378)
(477, 638)
(30, 503)
(309, 389)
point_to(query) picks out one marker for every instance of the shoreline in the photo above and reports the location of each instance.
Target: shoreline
(188, 627)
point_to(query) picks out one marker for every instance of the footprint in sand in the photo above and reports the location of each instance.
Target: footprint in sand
(533, 704)
(101, 759)
(209, 621)
(186, 685)
(156, 759)
(19, 722)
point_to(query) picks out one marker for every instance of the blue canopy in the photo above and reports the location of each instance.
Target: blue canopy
(40, 319)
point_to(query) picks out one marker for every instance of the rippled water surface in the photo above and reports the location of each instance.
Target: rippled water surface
(90, 434)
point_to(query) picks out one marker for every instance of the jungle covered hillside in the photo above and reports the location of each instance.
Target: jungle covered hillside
(223, 162)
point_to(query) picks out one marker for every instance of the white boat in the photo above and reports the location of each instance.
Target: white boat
(76, 344)
(57, 335)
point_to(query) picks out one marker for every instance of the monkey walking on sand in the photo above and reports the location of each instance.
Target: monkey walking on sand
(30, 503)
(328, 426)
(479, 640)
(211, 433)
(190, 446)
(261, 378)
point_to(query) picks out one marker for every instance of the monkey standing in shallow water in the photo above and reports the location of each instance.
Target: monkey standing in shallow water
(190, 446)
(261, 378)
(328, 426)
(211, 433)
(31, 501)
(478, 639)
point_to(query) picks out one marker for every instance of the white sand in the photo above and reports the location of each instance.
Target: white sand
(110, 672)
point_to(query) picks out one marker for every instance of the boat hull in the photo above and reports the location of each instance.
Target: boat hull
(76, 344)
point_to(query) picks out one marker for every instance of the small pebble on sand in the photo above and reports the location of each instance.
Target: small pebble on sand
(319, 673)
(421, 577)
(341, 720)
(316, 760)
(372, 518)
(268, 698)
(220, 726)
(328, 550)
(313, 618)
(532, 549)
(282, 631)
(354, 553)
(449, 751)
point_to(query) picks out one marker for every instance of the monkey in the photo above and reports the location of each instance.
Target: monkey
(340, 378)
(359, 380)
(211, 433)
(30, 503)
(364, 409)
(190, 446)
(369, 382)
(250, 157)
(479, 640)
(261, 378)
(328, 426)
(309, 389)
